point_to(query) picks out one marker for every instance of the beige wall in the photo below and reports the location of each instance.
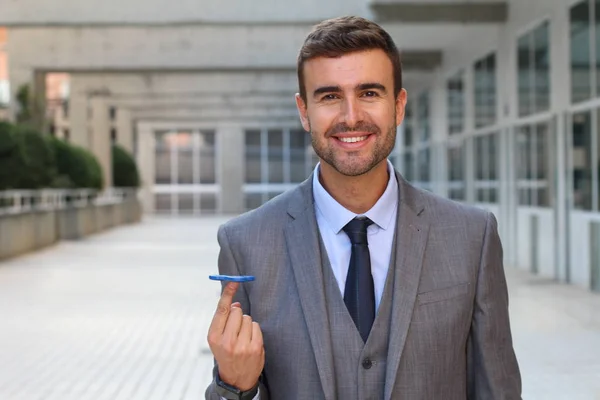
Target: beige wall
(153, 11)
(27, 232)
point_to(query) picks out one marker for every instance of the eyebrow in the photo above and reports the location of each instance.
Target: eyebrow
(337, 89)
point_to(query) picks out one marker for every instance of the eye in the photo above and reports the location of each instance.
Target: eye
(330, 96)
(371, 93)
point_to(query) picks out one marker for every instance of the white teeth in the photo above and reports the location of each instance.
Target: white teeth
(353, 139)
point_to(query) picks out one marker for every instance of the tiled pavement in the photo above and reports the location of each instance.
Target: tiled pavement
(123, 316)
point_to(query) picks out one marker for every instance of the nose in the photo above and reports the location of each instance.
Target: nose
(352, 113)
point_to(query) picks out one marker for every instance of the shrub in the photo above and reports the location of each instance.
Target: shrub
(38, 159)
(125, 172)
(76, 166)
(27, 160)
(10, 160)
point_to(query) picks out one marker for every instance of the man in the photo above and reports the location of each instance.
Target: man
(366, 287)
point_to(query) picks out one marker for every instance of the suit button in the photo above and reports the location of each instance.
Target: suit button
(367, 364)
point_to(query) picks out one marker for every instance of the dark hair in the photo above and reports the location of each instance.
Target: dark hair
(339, 36)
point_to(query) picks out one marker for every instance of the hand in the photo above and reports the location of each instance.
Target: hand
(236, 342)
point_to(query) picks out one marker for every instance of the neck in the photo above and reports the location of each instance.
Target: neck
(355, 193)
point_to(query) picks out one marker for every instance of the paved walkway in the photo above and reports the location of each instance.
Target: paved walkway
(124, 315)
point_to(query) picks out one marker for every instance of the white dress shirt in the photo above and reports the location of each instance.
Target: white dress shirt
(332, 217)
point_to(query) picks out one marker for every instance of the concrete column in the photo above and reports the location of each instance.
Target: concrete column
(100, 140)
(79, 126)
(145, 161)
(560, 83)
(124, 129)
(231, 168)
(439, 133)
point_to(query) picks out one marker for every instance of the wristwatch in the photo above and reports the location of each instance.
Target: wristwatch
(231, 392)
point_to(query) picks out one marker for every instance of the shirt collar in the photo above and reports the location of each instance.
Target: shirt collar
(337, 216)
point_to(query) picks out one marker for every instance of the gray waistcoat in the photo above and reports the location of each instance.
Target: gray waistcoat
(366, 363)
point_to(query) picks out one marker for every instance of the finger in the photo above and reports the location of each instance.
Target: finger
(233, 326)
(237, 304)
(257, 337)
(245, 335)
(223, 308)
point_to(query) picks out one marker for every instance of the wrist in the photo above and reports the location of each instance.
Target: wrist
(229, 391)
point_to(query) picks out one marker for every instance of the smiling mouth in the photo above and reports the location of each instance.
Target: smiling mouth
(352, 139)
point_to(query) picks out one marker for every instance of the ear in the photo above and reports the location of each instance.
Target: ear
(401, 106)
(301, 105)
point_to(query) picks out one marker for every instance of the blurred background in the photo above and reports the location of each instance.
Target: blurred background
(162, 119)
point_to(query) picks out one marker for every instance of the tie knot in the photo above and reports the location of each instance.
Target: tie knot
(357, 230)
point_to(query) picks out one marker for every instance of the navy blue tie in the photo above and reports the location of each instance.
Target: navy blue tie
(359, 294)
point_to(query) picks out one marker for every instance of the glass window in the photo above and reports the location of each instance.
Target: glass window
(542, 165)
(580, 52)
(300, 153)
(524, 74)
(408, 167)
(163, 202)
(423, 117)
(456, 104)
(523, 140)
(208, 203)
(408, 125)
(486, 168)
(275, 155)
(456, 172)
(253, 200)
(541, 63)
(182, 141)
(253, 160)
(533, 55)
(163, 158)
(207, 151)
(597, 47)
(485, 91)
(581, 158)
(185, 203)
(423, 165)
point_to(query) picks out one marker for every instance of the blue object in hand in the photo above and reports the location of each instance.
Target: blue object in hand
(232, 278)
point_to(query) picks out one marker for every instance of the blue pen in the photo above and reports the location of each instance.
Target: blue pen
(232, 278)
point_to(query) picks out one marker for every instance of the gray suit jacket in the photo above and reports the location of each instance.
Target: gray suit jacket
(450, 335)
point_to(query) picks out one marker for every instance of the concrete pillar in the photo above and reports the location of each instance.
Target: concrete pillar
(145, 161)
(79, 125)
(231, 168)
(560, 83)
(439, 132)
(100, 140)
(124, 126)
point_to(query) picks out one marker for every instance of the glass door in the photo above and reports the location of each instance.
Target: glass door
(185, 173)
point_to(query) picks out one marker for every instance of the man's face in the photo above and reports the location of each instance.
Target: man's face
(350, 110)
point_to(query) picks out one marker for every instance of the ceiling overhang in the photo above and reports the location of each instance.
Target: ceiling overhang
(428, 12)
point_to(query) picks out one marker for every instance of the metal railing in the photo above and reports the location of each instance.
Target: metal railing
(24, 201)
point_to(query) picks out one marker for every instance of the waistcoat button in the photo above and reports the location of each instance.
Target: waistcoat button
(367, 363)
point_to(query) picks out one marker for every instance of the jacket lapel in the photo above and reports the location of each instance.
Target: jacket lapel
(302, 240)
(411, 239)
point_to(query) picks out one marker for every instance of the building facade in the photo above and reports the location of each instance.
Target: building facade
(503, 105)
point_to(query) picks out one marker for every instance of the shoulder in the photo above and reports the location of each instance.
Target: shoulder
(268, 218)
(441, 211)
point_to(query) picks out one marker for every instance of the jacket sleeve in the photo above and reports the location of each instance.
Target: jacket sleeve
(228, 266)
(493, 371)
